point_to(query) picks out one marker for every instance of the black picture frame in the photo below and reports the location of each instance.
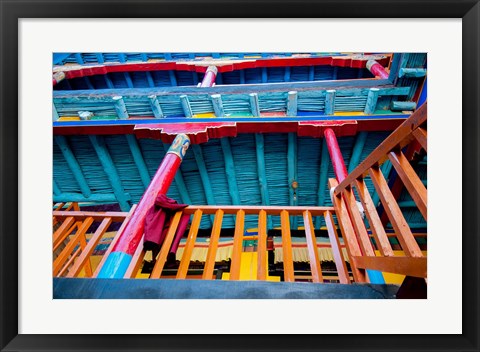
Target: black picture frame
(11, 11)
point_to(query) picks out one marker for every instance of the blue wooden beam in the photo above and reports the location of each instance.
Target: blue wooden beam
(292, 174)
(372, 99)
(202, 169)
(254, 105)
(109, 167)
(173, 79)
(262, 174)
(403, 105)
(150, 80)
(138, 159)
(230, 171)
(187, 109)
(218, 105)
(292, 104)
(73, 165)
(412, 72)
(128, 79)
(264, 75)
(79, 58)
(311, 73)
(357, 150)
(330, 102)
(56, 189)
(88, 82)
(155, 105)
(179, 182)
(242, 76)
(286, 76)
(322, 180)
(108, 81)
(120, 107)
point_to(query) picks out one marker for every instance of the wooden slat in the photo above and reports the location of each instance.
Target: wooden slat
(420, 135)
(262, 246)
(357, 222)
(69, 262)
(88, 250)
(410, 179)
(67, 251)
(312, 247)
(237, 245)
(88, 266)
(399, 138)
(405, 237)
(167, 243)
(97, 216)
(61, 240)
(288, 272)
(61, 233)
(381, 239)
(353, 249)
(253, 210)
(416, 267)
(136, 262)
(115, 240)
(212, 248)
(189, 245)
(337, 249)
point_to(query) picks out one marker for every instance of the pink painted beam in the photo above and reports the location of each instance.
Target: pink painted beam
(129, 239)
(335, 155)
(376, 69)
(209, 78)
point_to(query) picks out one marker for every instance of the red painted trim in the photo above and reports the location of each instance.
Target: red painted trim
(335, 155)
(340, 61)
(131, 236)
(201, 132)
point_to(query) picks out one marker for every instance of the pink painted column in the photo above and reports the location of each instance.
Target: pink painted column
(341, 173)
(209, 78)
(117, 262)
(376, 69)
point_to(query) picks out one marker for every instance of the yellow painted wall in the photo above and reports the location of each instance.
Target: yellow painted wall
(248, 268)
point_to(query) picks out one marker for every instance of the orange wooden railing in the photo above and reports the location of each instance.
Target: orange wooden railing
(359, 246)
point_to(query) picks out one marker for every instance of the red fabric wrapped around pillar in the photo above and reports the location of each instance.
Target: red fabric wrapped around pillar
(157, 223)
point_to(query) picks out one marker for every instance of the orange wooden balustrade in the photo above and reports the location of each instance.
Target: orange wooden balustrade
(72, 250)
(358, 243)
(240, 212)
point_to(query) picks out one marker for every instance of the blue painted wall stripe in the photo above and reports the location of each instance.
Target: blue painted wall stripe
(94, 198)
(115, 266)
(73, 165)
(106, 160)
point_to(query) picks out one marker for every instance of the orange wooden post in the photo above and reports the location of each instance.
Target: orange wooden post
(135, 264)
(353, 249)
(167, 243)
(189, 245)
(114, 241)
(405, 236)
(88, 250)
(410, 179)
(357, 222)
(237, 245)
(420, 135)
(288, 271)
(67, 251)
(262, 246)
(376, 226)
(212, 248)
(315, 266)
(69, 262)
(398, 265)
(62, 232)
(340, 264)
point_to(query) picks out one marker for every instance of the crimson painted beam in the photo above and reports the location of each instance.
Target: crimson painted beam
(340, 170)
(209, 78)
(376, 69)
(129, 239)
